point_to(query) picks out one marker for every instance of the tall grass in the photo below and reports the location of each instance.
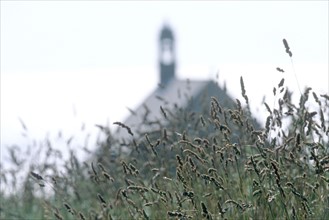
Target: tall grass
(212, 164)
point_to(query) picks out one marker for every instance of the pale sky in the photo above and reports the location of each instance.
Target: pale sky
(67, 63)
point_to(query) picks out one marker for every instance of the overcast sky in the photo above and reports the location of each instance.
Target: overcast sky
(64, 63)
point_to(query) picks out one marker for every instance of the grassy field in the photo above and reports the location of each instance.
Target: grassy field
(212, 164)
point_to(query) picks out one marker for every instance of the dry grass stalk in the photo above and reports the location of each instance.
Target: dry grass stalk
(281, 83)
(285, 43)
(163, 112)
(243, 90)
(124, 126)
(280, 70)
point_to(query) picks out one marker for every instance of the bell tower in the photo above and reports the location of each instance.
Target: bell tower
(167, 60)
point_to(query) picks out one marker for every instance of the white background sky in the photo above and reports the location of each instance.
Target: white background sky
(64, 63)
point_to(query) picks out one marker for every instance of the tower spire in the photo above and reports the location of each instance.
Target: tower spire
(167, 61)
